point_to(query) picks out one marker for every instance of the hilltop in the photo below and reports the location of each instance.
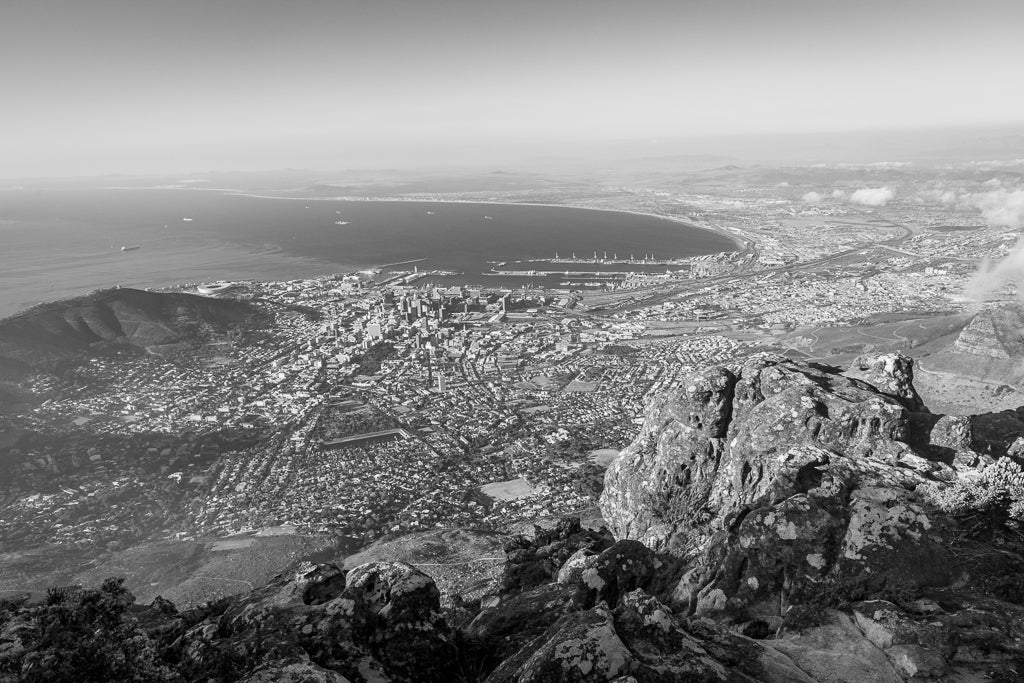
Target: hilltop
(122, 318)
(773, 521)
(981, 364)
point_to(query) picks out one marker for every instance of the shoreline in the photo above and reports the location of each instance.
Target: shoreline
(740, 245)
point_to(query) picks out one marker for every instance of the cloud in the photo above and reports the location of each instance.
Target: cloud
(1001, 163)
(1000, 207)
(813, 197)
(993, 276)
(838, 194)
(938, 196)
(890, 164)
(872, 196)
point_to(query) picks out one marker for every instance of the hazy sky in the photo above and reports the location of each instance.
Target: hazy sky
(98, 86)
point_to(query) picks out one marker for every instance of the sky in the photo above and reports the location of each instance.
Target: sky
(138, 86)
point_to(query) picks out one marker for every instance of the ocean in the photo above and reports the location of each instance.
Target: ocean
(60, 243)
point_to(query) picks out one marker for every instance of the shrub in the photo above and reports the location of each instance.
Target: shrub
(996, 491)
(86, 635)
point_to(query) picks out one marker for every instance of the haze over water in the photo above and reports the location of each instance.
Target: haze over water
(59, 243)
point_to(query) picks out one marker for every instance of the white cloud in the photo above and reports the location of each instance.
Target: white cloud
(1000, 207)
(1003, 163)
(938, 196)
(992, 277)
(890, 164)
(813, 197)
(838, 194)
(1004, 209)
(872, 196)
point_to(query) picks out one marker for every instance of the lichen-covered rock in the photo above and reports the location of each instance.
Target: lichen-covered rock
(396, 607)
(772, 476)
(625, 566)
(579, 647)
(663, 480)
(533, 561)
(953, 432)
(717, 441)
(394, 591)
(318, 583)
(886, 625)
(503, 629)
(916, 661)
(571, 571)
(839, 653)
(890, 373)
(890, 532)
(294, 672)
(643, 640)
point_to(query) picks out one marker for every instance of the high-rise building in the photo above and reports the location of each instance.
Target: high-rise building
(441, 383)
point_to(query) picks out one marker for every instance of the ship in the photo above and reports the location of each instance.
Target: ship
(341, 222)
(131, 248)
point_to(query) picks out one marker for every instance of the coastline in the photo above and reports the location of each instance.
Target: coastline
(740, 246)
(283, 273)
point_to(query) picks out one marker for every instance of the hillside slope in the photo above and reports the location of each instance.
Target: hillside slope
(130, 318)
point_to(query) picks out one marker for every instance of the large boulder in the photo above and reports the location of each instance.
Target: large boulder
(890, 373)
(773, 477)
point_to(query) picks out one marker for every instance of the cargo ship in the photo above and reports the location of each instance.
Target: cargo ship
(131, 248)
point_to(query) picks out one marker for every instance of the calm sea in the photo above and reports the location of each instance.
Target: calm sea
(58, 243)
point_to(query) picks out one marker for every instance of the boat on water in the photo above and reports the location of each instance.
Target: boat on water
(488, 218)
(187, 220)
(132, 247)
(341, 222)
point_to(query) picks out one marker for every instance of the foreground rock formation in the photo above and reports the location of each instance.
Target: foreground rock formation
(774, 521)
(774, 476)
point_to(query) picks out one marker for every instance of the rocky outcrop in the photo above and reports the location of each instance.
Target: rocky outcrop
(772, 477)
(786, 488)
(638, 638)
(380, 621)
(890, 373)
